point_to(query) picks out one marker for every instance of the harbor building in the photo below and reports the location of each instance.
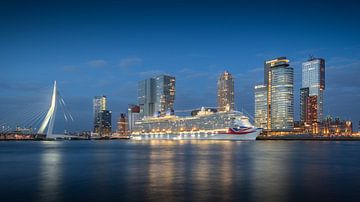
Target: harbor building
(122, 125)
(225, 93)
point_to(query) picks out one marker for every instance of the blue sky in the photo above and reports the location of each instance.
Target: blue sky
(105, 47)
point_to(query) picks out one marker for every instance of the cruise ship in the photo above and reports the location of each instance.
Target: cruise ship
(205, 125)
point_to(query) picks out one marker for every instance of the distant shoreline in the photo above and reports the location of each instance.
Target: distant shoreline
(260, 138)
(291, 138)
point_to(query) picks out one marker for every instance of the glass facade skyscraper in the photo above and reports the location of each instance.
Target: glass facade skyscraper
(261, 106)
(281, 87)
(165, 94)
(146, 97)
(313, 78)
(156, 95)
(225, 95)
(274, 100)
(102, 116)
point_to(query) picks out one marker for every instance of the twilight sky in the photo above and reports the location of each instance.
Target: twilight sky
(105, 47)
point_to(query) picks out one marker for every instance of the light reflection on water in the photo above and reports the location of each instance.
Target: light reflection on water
(163, 170)
(50, 172)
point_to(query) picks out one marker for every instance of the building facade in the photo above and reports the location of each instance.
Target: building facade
(280, 94)
(103, 123)
(122, 125)
(313, 78)
(102, 116)
(164, 94)
(304, 94)
(133, 116)
(146, 94)
(225, 93)
(156, 95)
(261, 106)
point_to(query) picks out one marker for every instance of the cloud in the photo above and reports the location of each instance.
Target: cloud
(97, 63)
(130, 62)
(150, 73)
(70, 68)
(21, 86)
(187, 73)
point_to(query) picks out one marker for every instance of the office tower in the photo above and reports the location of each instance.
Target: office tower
(102, 116)
(313, 78)
(103, 125)
(99, 104)
(156, 95)
(225, 94)
(133, 116)
(280, 96)
(304, 94)
(146, 97)
(261, 106)
(165, 94)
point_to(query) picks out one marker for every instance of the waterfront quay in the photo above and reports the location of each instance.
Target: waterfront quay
(305, 137)
(301, 137)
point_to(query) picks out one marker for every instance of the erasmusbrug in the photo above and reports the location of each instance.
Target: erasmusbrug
(48, 122)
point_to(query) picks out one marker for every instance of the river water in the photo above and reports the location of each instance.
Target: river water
(180, 171)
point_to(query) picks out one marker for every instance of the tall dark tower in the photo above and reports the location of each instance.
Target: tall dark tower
(225, 95)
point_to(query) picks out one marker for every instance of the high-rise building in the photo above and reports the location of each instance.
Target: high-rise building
(280, 95)
(102, 116)
(165, 94)
(261, 106)
(99, 103)
(146, 94)
(304, 94)
(225, 95)
(313, 78)
(156, 95)
(103, 125)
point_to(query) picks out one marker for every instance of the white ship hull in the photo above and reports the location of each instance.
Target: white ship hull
(198, 136)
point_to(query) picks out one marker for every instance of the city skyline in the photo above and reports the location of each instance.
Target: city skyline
(109, 51)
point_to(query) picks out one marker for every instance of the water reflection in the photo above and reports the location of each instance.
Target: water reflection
(50, 172)
(181, 170)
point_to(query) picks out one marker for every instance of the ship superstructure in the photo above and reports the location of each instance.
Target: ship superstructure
(205, 125)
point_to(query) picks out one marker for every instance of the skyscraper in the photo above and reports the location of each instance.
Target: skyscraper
(279, 103)
(104, 123)
(261, 106)
(99, 103)
(156, 95)
(164, 94)
(146, 95)
(313, 78)
(225, 95)
(280, 95)
(304, 94)
(102, 117)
